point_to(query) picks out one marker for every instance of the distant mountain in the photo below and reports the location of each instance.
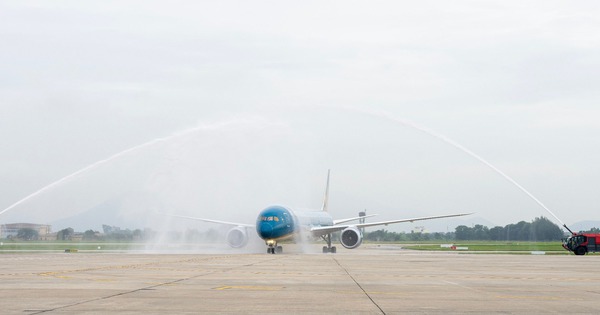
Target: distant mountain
(132, 210)
(93, 219)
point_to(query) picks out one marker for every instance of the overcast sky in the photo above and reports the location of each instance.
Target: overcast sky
(254, 101)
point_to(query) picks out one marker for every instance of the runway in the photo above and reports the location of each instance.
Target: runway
(368, 280)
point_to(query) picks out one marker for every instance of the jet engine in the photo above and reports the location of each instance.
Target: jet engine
(351, 237)
(237, 237)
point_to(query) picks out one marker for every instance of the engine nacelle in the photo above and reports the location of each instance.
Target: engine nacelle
(237, 237)
(351, 237)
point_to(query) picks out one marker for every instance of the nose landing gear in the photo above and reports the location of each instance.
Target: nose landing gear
(273, 248)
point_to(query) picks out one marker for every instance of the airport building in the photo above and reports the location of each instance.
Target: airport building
(12, 229)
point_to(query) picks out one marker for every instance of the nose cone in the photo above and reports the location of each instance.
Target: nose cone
(266, 230)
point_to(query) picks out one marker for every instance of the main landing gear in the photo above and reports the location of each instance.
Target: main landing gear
(328, 248)
(331, 249)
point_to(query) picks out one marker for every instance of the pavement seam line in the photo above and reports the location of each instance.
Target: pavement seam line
(358, 284)
(152, 286)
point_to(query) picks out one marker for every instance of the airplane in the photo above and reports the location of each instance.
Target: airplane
(277, 223)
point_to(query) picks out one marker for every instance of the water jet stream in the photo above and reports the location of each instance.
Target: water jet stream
(388, 116)
(125, 152)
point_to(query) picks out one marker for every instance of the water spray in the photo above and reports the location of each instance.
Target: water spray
(97, 164)
(388, 116)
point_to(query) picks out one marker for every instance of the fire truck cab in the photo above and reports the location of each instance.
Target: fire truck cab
(582, 243)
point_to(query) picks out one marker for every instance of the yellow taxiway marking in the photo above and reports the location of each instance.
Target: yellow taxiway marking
(55, 275)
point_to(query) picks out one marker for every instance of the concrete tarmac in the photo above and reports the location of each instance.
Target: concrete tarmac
(368, 280)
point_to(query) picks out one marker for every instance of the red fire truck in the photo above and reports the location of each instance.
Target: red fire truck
(582, 243)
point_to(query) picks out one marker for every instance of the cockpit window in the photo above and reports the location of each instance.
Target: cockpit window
(269, 218)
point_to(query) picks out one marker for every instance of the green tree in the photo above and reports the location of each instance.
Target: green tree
(518, 232)
(481, 232)
(497, 233)
(375, 236)
(522, 231)
(463, 232)
(27, 234)
(418, 236)
(543, 229)
(89, 235)
(594, 230)
(65, 234)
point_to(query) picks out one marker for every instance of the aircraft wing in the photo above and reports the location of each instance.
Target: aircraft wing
(336, 222)
(209, 220)
(321, 230)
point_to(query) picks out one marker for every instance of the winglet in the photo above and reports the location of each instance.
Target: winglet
(326, 198)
